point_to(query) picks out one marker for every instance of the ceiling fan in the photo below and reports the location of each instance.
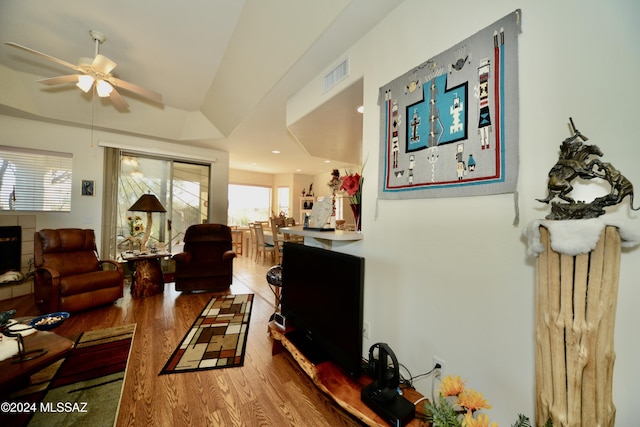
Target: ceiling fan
(95, 71)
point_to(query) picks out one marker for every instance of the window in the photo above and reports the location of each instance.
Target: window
(283, 201)
(35, 180)
(248, 203)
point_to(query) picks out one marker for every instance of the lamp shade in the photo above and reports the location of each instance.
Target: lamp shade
(147, 203)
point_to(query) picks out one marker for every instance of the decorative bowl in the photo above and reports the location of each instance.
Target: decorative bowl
(49, 321)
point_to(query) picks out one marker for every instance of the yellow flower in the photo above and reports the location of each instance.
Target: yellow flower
(472, 400)
(451, 386)
(135, 225)
(482, 421)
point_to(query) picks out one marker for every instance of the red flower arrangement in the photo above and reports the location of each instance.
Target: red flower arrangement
(352, 184)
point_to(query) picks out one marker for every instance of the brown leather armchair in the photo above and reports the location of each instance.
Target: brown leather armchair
(207, 261)
(68, 274)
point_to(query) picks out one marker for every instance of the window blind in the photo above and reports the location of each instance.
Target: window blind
(35, 180)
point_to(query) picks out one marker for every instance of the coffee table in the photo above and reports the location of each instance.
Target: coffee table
(15, 373)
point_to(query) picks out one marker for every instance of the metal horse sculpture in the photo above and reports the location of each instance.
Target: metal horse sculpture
(575, 161)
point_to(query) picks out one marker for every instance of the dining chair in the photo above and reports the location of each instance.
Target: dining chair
(236, 239)
(252, 240)
(262, 248)
(278, 221)
(286, 237)
(277, 244)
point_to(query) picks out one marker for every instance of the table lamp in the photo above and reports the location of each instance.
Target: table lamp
(147, 203)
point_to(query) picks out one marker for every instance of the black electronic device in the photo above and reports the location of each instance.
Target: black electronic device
(322, 300)
(385, 373)
(382, 394)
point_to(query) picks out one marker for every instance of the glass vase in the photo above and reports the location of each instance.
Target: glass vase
(355, 208)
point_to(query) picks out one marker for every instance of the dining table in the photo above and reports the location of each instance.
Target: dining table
(268, 237)
(282, 237)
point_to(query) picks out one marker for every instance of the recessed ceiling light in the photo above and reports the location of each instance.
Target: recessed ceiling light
(254, 164)
(327, 161)
(360, 109)
(275, 151)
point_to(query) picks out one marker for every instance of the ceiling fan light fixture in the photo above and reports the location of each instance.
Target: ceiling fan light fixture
(85, 82)
(103, 88)
(97, 69)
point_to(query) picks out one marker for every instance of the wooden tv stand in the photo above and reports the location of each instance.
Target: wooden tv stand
(343, 389)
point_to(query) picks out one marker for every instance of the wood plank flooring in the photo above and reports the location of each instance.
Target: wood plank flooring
(267, 391)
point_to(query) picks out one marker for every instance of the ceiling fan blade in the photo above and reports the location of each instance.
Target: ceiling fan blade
(103, 65)
(118, 100)
(71, 78)
(154, 96)
(44, 55)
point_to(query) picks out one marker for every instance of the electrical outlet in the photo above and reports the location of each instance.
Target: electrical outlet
(366, 329)
(440, 372)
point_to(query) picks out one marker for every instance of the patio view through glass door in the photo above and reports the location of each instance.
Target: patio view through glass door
(181, 187)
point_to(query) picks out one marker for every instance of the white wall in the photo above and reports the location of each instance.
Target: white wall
(250, 178)
(88, 160)
(450, 277)
(86, 211)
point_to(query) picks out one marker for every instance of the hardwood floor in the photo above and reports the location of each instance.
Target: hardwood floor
(267, 391)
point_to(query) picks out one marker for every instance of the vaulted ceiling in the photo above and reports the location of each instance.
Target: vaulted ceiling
(225, 69)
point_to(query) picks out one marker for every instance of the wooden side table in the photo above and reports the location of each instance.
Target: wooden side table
(147, 277)
(15, 373)
(343, 389)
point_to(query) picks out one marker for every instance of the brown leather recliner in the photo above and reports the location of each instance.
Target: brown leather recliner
(207, 261)
(69, 276)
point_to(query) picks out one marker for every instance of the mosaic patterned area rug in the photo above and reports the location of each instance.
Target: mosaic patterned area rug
(218, 337)
(84, 388)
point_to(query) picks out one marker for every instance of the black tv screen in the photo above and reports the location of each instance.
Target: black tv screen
(322, 298)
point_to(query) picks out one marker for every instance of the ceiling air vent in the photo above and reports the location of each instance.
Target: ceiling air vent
(335, 76)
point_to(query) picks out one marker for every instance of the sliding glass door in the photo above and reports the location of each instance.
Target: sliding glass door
(189, 199)
(181, 187)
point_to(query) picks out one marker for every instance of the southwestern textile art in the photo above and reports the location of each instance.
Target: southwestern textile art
(218, 337)
(449, 127)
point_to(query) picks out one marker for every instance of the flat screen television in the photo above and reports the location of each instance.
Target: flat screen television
(322, 299)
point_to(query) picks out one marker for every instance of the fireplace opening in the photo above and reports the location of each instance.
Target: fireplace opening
(10, 253)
